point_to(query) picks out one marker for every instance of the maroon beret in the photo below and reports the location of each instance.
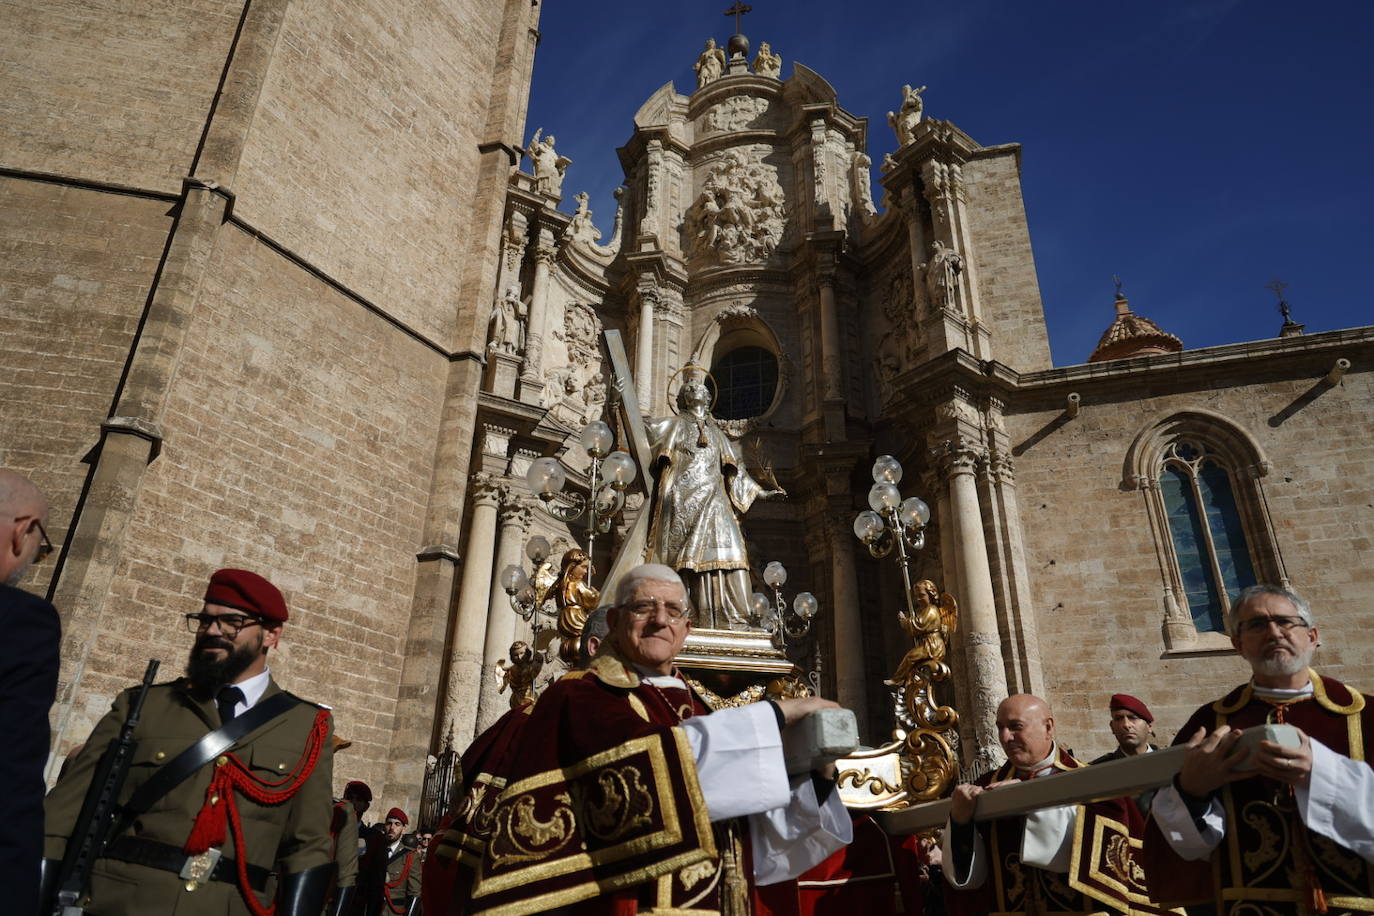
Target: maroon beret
(247, 592)
(358, 789)
(1130, 703)
(399, 815)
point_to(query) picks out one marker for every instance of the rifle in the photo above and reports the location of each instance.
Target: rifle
(92, 829)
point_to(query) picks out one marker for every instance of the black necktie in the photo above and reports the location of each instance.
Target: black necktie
(228, 698)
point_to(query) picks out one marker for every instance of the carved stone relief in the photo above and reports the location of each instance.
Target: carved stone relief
(738, 218)
(577, 388)
(582, 229)
(901, 346)
(734, 113)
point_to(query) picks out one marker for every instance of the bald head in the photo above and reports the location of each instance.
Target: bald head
(23, 509)
(1025, 727)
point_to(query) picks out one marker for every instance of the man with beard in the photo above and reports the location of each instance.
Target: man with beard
(389, 875)
(28, 684)
(1273, 828)
(206, 829)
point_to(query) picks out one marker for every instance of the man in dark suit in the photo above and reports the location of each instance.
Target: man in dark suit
(28, 685)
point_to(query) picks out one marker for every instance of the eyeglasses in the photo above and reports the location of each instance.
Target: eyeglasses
(647, 607)
(45, 547)
(1255, 625)
(229, 624)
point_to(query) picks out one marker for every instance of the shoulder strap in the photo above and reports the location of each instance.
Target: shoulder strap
(201, 753)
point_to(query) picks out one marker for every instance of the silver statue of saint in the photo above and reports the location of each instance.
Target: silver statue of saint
(701, 487)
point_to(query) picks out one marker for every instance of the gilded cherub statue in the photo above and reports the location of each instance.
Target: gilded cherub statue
(519, 673)
(931, 625)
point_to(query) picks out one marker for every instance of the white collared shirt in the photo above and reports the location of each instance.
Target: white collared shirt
(253, 689)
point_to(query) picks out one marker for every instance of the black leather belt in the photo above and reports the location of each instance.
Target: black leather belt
(153, 854)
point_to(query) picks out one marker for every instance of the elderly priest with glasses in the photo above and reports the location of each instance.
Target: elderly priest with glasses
(1281, 826)
(627, 797)
(227, 799)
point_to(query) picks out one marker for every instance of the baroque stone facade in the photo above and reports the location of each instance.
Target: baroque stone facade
(326, 368)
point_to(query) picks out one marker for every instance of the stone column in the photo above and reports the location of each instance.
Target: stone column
(851, 689)
(501, 620)
(465, 665)
(986, 674)
(531, 377)
(831, 363)
(644, 346)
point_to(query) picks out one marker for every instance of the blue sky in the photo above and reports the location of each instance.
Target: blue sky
(1197, 149)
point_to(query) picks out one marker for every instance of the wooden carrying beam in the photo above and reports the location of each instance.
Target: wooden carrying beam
(1118, 778)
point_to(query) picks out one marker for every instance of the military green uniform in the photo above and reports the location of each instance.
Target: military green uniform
(402, 875)
(286, 838)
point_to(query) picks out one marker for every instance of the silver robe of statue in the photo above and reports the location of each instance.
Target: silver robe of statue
(700, 485)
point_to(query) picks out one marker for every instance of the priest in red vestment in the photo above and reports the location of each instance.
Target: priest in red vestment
(1064, 859)
(1271, 829)
(623, 796)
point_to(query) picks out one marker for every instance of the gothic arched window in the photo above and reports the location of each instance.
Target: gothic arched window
(1208, 534)
(1201, 476)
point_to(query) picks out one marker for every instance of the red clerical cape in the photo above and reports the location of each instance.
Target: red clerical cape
(601, 811)
(1103, 871)
(1268, 861)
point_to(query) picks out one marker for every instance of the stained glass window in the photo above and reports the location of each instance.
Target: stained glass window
(1208, 534)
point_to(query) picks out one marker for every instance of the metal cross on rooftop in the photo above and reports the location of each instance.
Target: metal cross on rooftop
(738, 10)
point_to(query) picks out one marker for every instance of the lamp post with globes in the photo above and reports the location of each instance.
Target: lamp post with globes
(892, 523)
(773, 614)
(608, 477)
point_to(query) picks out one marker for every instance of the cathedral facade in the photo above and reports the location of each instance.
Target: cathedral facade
(296, 293)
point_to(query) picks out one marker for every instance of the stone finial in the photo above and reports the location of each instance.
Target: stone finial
(1290, 327)
(1132, 335)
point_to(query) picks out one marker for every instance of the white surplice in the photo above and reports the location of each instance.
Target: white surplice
(740, 769)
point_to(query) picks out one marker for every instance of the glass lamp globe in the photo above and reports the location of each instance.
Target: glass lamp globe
(805, 604)
(525, 595)
(596, 439)
(914, 513)
(608, 500)
(513, 579)
(887, 470)
(619, 469)
(775, 574)
(538, 549)
(867, 525)
(760, 605)
(546, 476)
(884, 496)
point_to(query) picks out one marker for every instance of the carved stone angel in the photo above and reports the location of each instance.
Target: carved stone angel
(519, 673)
(766, 63)
(931, 626)
(904, 121)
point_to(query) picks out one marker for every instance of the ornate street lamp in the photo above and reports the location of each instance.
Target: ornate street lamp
(610, 474)
(893, 523)
(782, 623)
(531, 598)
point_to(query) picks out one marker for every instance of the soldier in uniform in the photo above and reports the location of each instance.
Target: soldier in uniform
(389, 875)
(345, 832)
(234, 829)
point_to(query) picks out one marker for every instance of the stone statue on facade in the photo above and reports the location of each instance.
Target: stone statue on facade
(507, 333)
(701, 489)
(766, 63)
(863, 184)
(710, 65)
(905, 120)
(942, 275)
(549, 167)
(582, 229)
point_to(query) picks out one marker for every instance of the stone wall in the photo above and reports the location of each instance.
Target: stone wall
(1008, 286)
(1096, 580)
